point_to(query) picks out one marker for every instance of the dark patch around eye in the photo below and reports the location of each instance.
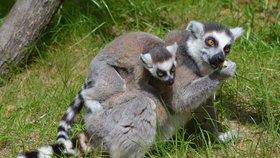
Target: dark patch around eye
(173, 69)
(161, 73)
(227, 49)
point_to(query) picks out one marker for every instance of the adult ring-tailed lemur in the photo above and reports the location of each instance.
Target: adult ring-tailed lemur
(141, 53)
(125, 125)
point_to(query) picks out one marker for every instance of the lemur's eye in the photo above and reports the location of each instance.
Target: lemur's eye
(227, 49)
(210, 41)
(161, 73)
(173, 69)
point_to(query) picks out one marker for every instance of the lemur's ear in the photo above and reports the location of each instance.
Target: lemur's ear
(172, 49)
(196, 28)
(146, 60)
(236, 32)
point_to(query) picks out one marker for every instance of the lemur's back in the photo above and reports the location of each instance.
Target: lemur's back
(124, 51)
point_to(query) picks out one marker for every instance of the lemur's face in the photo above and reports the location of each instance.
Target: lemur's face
(216, 46)
(209, 44)
(161, 63)
(164, 71)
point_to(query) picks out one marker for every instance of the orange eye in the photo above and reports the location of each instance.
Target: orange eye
(210, 42)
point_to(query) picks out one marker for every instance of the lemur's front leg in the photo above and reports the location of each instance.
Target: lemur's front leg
(206, 116)
(190, 96)
(199, 97)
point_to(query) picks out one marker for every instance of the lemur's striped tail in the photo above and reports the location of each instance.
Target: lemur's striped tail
(44, 152)
(79, 146)
(68, 119)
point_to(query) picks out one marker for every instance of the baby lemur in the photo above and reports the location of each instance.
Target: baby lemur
(139, 53)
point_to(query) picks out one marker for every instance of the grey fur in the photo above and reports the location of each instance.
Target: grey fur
(117, 71)
(189, 92)
(108, 71)
(159, 57)
(126, 126)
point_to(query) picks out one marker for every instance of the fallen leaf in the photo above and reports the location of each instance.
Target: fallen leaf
(224, 12)
(262, 15)
(272, 19)
(11, 108)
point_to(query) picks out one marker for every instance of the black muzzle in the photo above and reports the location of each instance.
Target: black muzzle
(217, 60)
(169, 82)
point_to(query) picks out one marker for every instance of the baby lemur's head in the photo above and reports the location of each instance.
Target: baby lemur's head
(160, 61)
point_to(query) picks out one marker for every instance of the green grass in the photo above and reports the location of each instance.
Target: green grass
(33, 101)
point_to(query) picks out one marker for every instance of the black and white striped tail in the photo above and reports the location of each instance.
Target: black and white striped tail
(44, 152)
(68, 119)
(79, 146)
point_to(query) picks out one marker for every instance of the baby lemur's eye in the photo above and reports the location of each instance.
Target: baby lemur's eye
(210, 41)
(227, 49)
(161, 73)
(173, 69)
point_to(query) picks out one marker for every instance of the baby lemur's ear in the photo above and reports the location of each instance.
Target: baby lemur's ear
(172, 49)
(146, 60)
(236, 32)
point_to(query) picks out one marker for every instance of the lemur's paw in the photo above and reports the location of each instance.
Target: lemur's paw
(228, 136)
(229, 69)
(69, 148)
(226, 71)
(84, 142)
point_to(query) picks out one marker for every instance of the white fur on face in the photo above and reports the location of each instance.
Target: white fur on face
(222, 38)
(166, 65)
(163, 66)
(194, 48)
(201, 53)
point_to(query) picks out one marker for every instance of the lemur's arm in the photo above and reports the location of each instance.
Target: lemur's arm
(190, 96)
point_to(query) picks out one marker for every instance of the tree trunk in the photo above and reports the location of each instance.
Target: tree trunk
(22, 26)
